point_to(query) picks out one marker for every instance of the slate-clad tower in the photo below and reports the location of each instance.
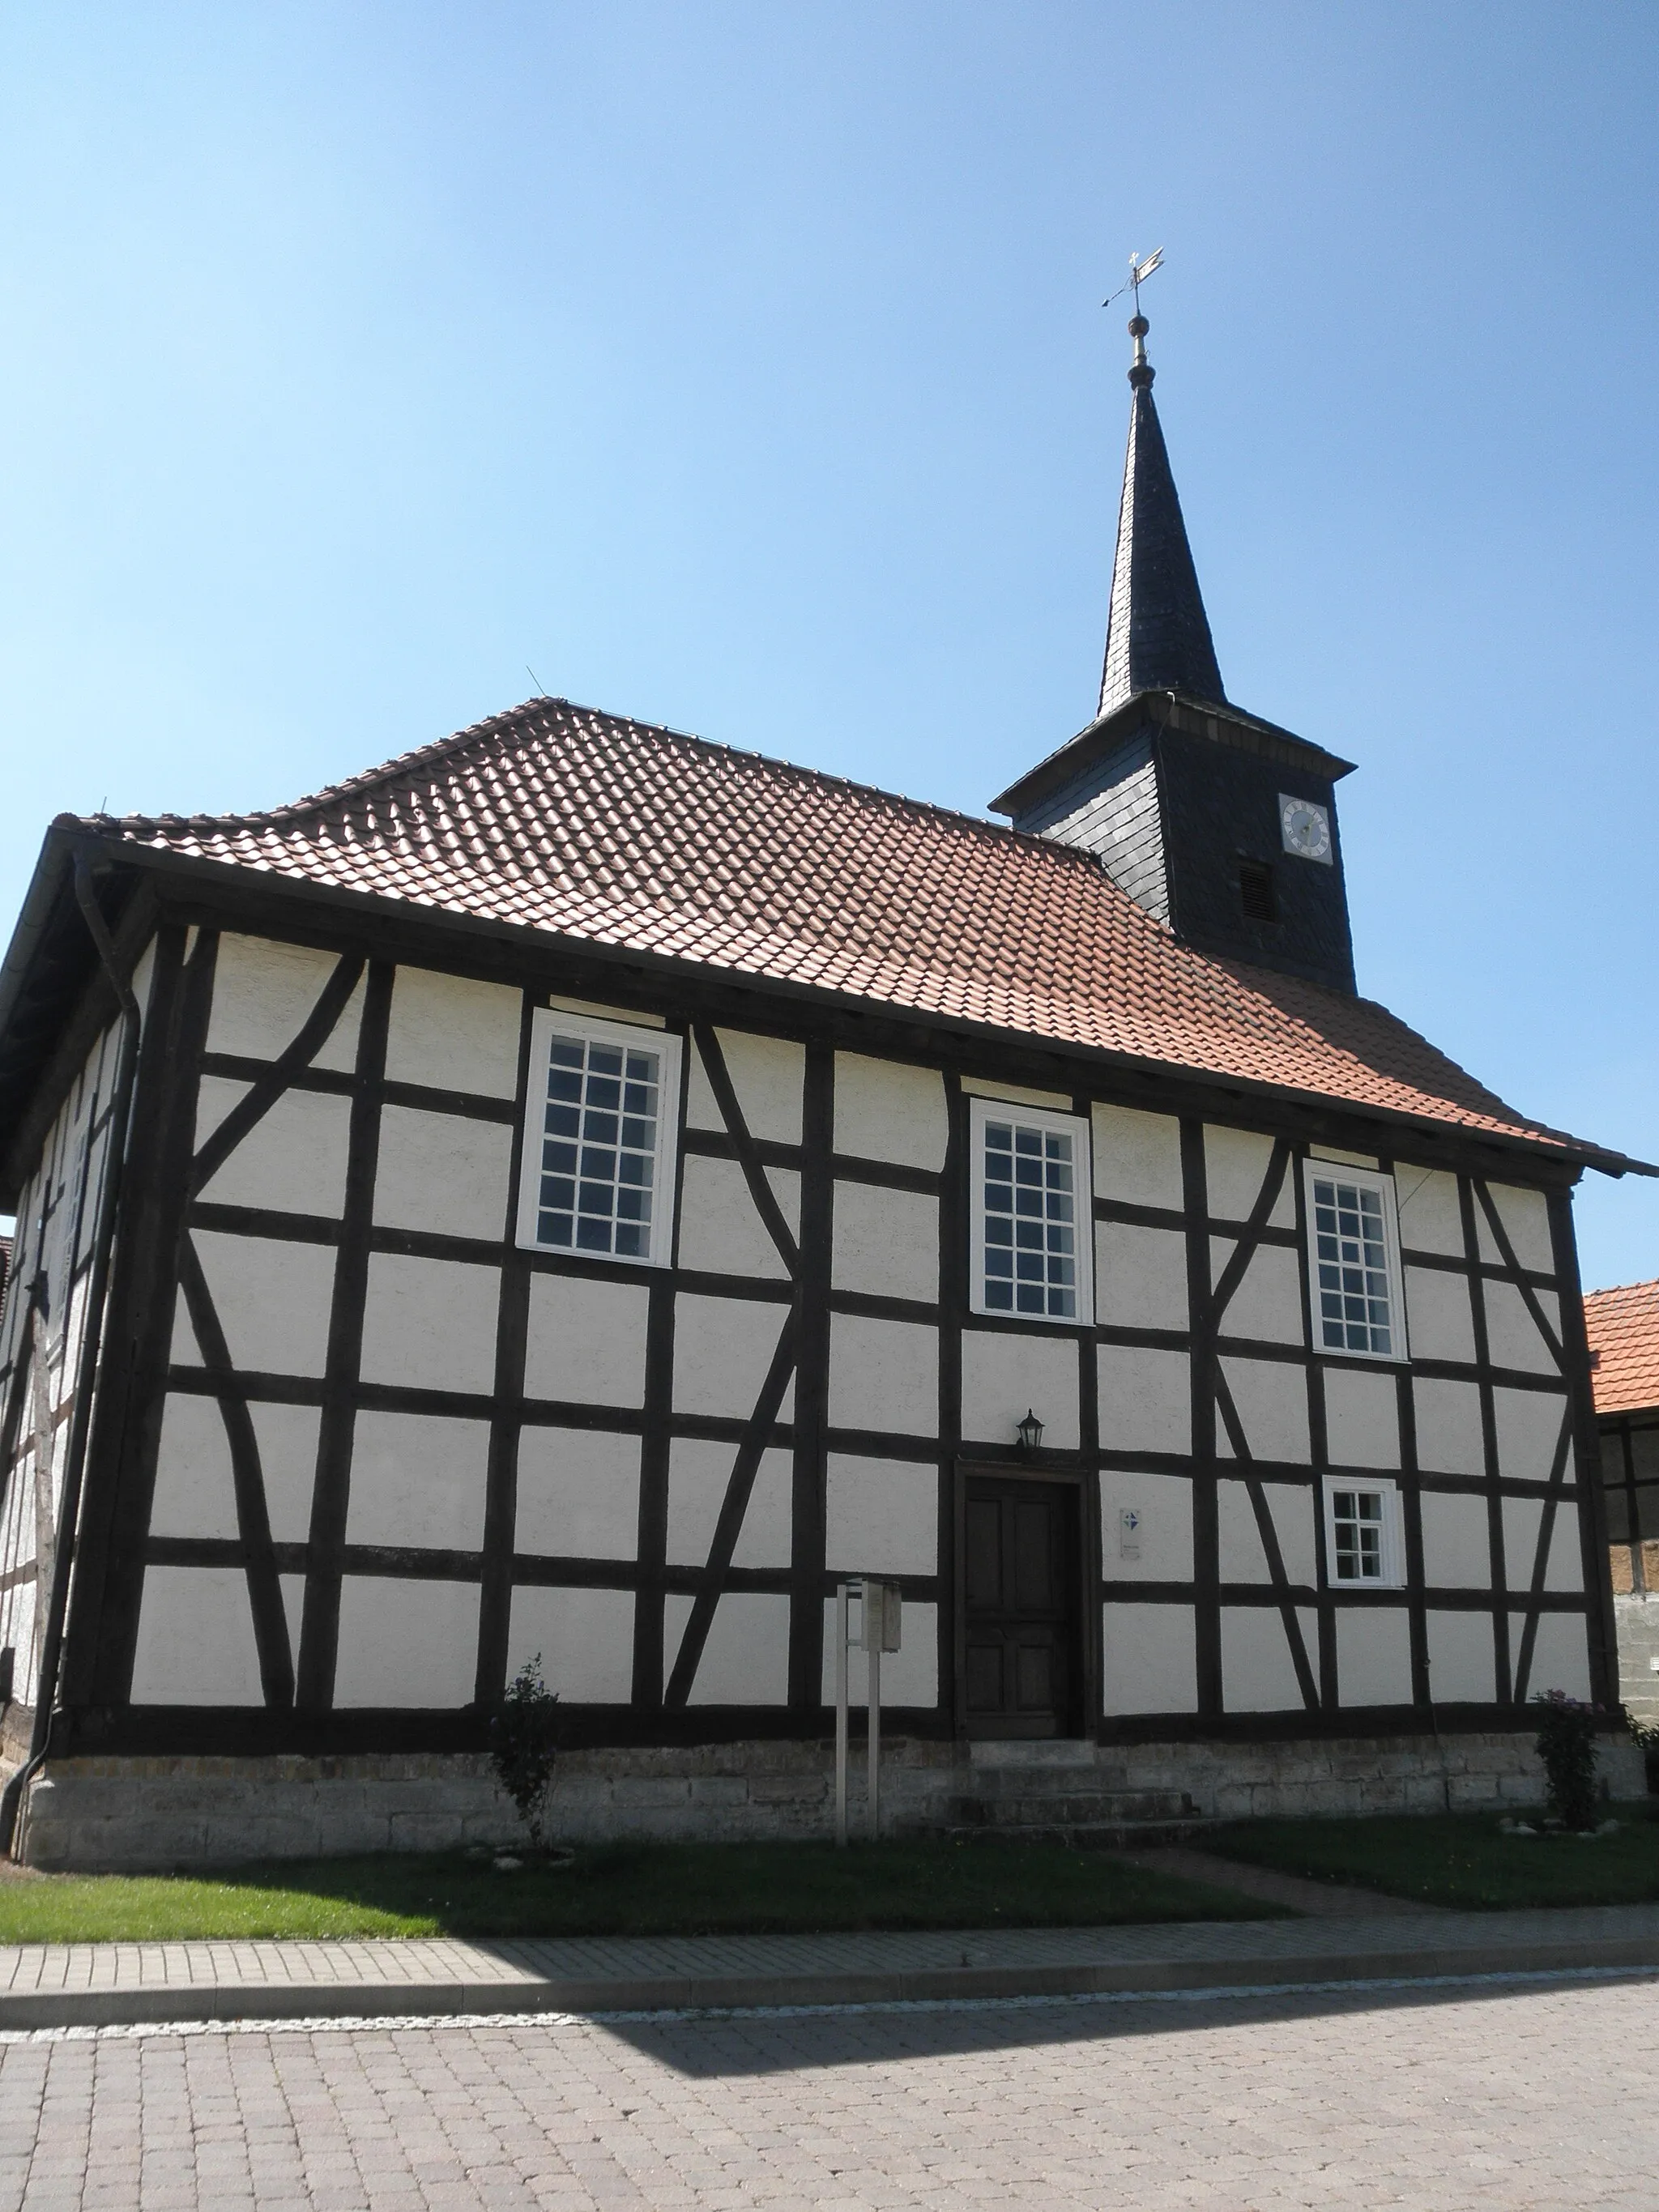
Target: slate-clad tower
(1221, 824)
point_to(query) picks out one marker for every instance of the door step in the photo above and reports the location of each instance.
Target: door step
(1055, 1789)
(1061, 1798)
(1072, 1807)
(1088, 1835)
(986, 1754)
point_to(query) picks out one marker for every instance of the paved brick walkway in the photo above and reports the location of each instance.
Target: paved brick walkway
(1533, 2099)
(93, 1984)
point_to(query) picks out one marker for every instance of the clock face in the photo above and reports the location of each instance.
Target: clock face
(1306, 828)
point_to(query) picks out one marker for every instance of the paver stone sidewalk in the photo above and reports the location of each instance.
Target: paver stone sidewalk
(44, 1986)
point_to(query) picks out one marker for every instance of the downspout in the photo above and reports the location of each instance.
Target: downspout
(52, 1646)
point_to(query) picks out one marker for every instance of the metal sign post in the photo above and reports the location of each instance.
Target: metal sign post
(841, 1714)
(875, 1603)
(879, 1631)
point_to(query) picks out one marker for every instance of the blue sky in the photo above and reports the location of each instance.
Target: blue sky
(742, 367)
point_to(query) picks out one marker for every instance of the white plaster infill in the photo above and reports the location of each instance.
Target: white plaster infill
(113, 1985)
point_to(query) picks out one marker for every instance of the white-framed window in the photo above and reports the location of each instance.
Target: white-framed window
(1032, 1214)
(601, 1122)
(1363, 1546)
(1354, 1279)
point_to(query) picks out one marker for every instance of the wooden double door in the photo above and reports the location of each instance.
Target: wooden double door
(1022, 1654)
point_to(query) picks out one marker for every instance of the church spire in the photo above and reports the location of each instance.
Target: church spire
(1221, 826)
(1157, 637)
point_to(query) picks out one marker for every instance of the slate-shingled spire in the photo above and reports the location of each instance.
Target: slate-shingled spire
(1186, 800)
(1157, 638)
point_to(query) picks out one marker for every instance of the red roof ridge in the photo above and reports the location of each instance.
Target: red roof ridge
(636, 837)
(1622, 1290)
(314, 802)
(501, 724)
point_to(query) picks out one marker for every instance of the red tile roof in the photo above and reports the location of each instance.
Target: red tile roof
(1624, 1336)
(563, 818)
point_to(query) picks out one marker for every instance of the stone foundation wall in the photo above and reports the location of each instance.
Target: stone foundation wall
(165, 1812)
(1465, 1773)
(1637, 1618)
(168, 1811)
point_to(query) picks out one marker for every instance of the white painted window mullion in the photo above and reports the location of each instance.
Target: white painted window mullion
(1363, 1538)
(1031, 1215)
(601, 1129)
(1355, 1281)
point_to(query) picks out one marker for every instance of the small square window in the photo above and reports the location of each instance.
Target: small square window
(1362, 1537)
(1032, 1214)
(598, 1140)
(1353, 1265)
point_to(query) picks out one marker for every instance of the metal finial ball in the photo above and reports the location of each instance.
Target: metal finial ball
(1138, 326)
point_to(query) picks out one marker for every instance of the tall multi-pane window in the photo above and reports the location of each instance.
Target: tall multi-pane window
(1354, 1275)
(1361, 1537)
(599, 1140)
(1032, 1214)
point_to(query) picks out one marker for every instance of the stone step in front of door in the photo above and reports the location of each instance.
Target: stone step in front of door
(1058, 1789)
(1083, 1835)
(1076, 1807)
(991, 1755)
(996, 1786)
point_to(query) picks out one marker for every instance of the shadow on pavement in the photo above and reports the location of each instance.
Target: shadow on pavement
(714, 2045)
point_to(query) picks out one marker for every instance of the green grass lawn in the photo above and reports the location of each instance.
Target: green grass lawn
(620, 1889)
(1460, 1859)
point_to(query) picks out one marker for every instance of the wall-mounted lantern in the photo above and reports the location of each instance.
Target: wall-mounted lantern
(1031, 1435)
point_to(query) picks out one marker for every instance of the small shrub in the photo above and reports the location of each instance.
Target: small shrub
(1567, 1744)
(1644, 1735)
(524, 1745)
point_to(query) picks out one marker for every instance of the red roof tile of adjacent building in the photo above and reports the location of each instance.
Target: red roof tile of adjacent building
(1624, 1338)
(560, 817)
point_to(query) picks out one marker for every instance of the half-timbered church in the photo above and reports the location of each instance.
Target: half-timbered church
(581, 1191)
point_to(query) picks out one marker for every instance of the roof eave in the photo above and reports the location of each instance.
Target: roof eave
(51, 869)
(1202, 717)
(46, 973)
(1560, 1151)
(1638, 1408)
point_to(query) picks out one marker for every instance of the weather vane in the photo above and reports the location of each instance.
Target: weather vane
(1140, 270)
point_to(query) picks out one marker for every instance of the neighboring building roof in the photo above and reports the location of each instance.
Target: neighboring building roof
(1157, 637)
(559, 817)
(1624, 1338)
